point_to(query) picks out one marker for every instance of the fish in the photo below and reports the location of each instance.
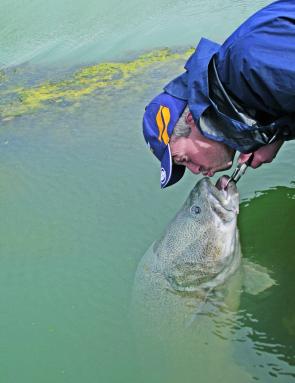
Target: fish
(187, 289)
(197, 254)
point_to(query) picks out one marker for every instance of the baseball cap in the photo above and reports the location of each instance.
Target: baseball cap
(159, 120)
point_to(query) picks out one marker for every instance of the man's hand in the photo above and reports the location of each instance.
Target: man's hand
(263, 155)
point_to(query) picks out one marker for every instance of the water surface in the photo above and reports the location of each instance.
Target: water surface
(80, 201)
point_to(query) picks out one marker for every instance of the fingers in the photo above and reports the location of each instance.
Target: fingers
(263, 155)
(256, 162)
(244, 158)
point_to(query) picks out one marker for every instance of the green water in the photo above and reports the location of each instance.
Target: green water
(71, 31)
(80, 201)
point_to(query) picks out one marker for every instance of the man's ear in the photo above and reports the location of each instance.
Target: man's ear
(189, 118)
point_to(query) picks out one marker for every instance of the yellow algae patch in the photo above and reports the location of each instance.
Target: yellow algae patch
(81, 83)
(2, 77)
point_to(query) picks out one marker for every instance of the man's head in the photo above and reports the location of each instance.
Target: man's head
(199, 154)
(174, 138)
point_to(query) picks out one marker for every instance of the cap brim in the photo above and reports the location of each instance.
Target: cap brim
(170, 173)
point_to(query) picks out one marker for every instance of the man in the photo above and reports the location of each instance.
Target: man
(239, 96)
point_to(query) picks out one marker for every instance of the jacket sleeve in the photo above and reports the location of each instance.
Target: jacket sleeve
(256, 65)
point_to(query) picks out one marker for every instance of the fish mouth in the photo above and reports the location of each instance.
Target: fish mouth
(223, 183)
(223, 194)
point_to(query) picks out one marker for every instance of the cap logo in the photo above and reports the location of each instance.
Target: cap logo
(162, 120)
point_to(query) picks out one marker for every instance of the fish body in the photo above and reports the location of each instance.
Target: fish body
(197, 253)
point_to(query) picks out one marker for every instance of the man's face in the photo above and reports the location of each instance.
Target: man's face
(199, 154)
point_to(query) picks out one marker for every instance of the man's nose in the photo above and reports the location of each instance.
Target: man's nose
(194, 169)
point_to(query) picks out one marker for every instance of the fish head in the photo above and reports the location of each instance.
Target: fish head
(214, 202)
(208, 209)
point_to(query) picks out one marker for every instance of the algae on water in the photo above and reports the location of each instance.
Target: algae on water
(17, 100)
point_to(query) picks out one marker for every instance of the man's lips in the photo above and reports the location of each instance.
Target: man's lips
(208, 173)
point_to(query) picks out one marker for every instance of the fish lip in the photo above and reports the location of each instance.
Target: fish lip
(220, 196)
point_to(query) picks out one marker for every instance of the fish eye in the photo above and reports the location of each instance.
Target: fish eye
(195, 210)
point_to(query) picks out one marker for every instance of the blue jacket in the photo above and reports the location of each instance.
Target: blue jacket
(242, 92)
